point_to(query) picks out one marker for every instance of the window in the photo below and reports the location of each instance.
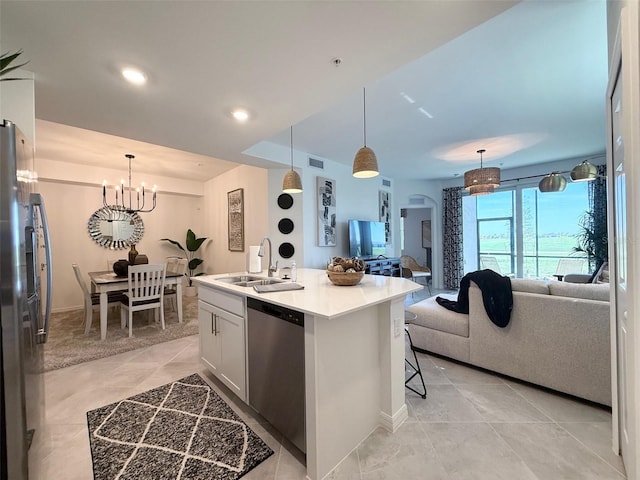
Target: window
(524, 232)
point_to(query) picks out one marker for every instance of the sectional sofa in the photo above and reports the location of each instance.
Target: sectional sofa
(558, 336)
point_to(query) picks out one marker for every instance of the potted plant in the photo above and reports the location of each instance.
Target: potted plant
(592, 241)
(5, 65)
(192, 244)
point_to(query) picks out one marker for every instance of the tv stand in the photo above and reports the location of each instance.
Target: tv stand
(389, 267)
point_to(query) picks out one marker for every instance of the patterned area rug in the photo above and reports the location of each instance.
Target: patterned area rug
(182, 430)
(68, 345)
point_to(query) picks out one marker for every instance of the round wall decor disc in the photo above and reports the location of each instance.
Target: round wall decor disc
(285, 226)
(286, 250)
(285, 201)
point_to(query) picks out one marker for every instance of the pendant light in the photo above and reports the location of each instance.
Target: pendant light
(365, 163)
(482, 181)
(554, 182)
(124, 204)
(584, 172)
(292, 182)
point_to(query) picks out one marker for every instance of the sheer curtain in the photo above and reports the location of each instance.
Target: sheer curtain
(452, 260)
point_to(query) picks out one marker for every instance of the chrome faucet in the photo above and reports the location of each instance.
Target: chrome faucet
(271, 269)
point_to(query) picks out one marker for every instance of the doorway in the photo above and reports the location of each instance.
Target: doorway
(417, 235)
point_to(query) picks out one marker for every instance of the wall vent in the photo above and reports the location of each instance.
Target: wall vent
(416, 201)
(314, 162)
(386, 182)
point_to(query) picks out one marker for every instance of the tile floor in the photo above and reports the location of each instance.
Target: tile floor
(472, 425)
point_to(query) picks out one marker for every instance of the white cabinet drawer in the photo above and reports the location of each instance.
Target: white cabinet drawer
(226, 301)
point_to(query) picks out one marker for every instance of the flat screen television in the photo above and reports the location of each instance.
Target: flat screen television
(366, 239)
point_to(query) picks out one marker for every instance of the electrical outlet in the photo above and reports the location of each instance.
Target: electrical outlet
(397, 326)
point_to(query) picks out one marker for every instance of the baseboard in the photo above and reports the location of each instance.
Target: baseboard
(392, 423)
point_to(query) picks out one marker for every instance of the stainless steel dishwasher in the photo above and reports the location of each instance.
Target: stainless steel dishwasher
(276, 367)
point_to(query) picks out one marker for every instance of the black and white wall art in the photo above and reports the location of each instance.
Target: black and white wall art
(385, 213)
(326, 208)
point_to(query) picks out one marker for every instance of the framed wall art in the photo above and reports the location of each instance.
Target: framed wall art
(326, 218)
(235, 199)
(385, 213)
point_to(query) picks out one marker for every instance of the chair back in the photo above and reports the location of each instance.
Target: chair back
(146, 282)
(490, 262)
(81, 282)
(181, 266)
(407, 261)
(570, 265)
(172, 263)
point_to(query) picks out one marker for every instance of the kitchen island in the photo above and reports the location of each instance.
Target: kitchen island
(353, 355)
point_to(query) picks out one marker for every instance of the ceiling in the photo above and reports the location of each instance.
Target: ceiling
(526, 82)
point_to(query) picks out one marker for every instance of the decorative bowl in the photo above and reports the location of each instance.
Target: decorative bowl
(345, 278)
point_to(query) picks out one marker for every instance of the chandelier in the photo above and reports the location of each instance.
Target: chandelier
(482, 181)
(121, 191)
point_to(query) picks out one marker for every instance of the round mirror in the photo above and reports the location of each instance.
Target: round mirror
(115, 228)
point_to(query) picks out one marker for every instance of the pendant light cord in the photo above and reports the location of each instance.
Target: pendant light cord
(291, 136)
(364, 115)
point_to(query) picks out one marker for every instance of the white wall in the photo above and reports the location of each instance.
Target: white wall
(214, 223)
(413, 233)
(17, 103)
(295, 213)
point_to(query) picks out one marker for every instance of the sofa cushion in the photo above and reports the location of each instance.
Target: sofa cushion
(529, 286)
(432, 315)
(588, 291)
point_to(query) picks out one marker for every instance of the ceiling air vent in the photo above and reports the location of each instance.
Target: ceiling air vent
(314, 162)
(386, 182)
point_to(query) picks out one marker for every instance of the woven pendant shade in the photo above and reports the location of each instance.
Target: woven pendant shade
(365, 163)
(554, 182)
(482, 176)
(482, 181)
(584, 172)
(292, 182)
(476, 190)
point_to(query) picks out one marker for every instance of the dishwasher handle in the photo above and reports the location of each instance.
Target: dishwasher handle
(277, 311)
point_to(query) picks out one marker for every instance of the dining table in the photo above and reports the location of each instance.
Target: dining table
(107, 281)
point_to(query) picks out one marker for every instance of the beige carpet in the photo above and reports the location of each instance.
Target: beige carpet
(68, 345)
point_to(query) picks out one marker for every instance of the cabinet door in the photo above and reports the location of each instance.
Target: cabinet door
(209, 338)
(232, 347)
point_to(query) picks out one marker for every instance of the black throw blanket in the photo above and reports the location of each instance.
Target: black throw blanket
(496, 296)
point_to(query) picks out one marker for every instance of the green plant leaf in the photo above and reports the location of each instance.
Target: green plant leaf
(5, 61)
(173, 242)
(195, 263)
(193, 243)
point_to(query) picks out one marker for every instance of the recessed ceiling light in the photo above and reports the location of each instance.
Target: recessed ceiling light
(425, 113)
(134, 76)
(407, 97)
(240, 115)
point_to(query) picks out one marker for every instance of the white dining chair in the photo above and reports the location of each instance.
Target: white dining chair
(178, 265)
(146, 292)
(93, 299)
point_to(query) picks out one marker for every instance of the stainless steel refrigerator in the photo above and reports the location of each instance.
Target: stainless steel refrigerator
(25, 256)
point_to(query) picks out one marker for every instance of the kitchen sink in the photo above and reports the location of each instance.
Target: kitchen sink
(248, 280)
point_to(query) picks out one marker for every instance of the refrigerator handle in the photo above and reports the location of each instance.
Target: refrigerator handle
(37, 201)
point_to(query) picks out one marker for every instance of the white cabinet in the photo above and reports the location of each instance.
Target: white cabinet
(222, 339)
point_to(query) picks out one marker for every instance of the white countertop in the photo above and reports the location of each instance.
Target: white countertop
(320, 297)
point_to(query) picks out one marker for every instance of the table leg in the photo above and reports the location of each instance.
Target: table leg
(179, 299)
(104, 303)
